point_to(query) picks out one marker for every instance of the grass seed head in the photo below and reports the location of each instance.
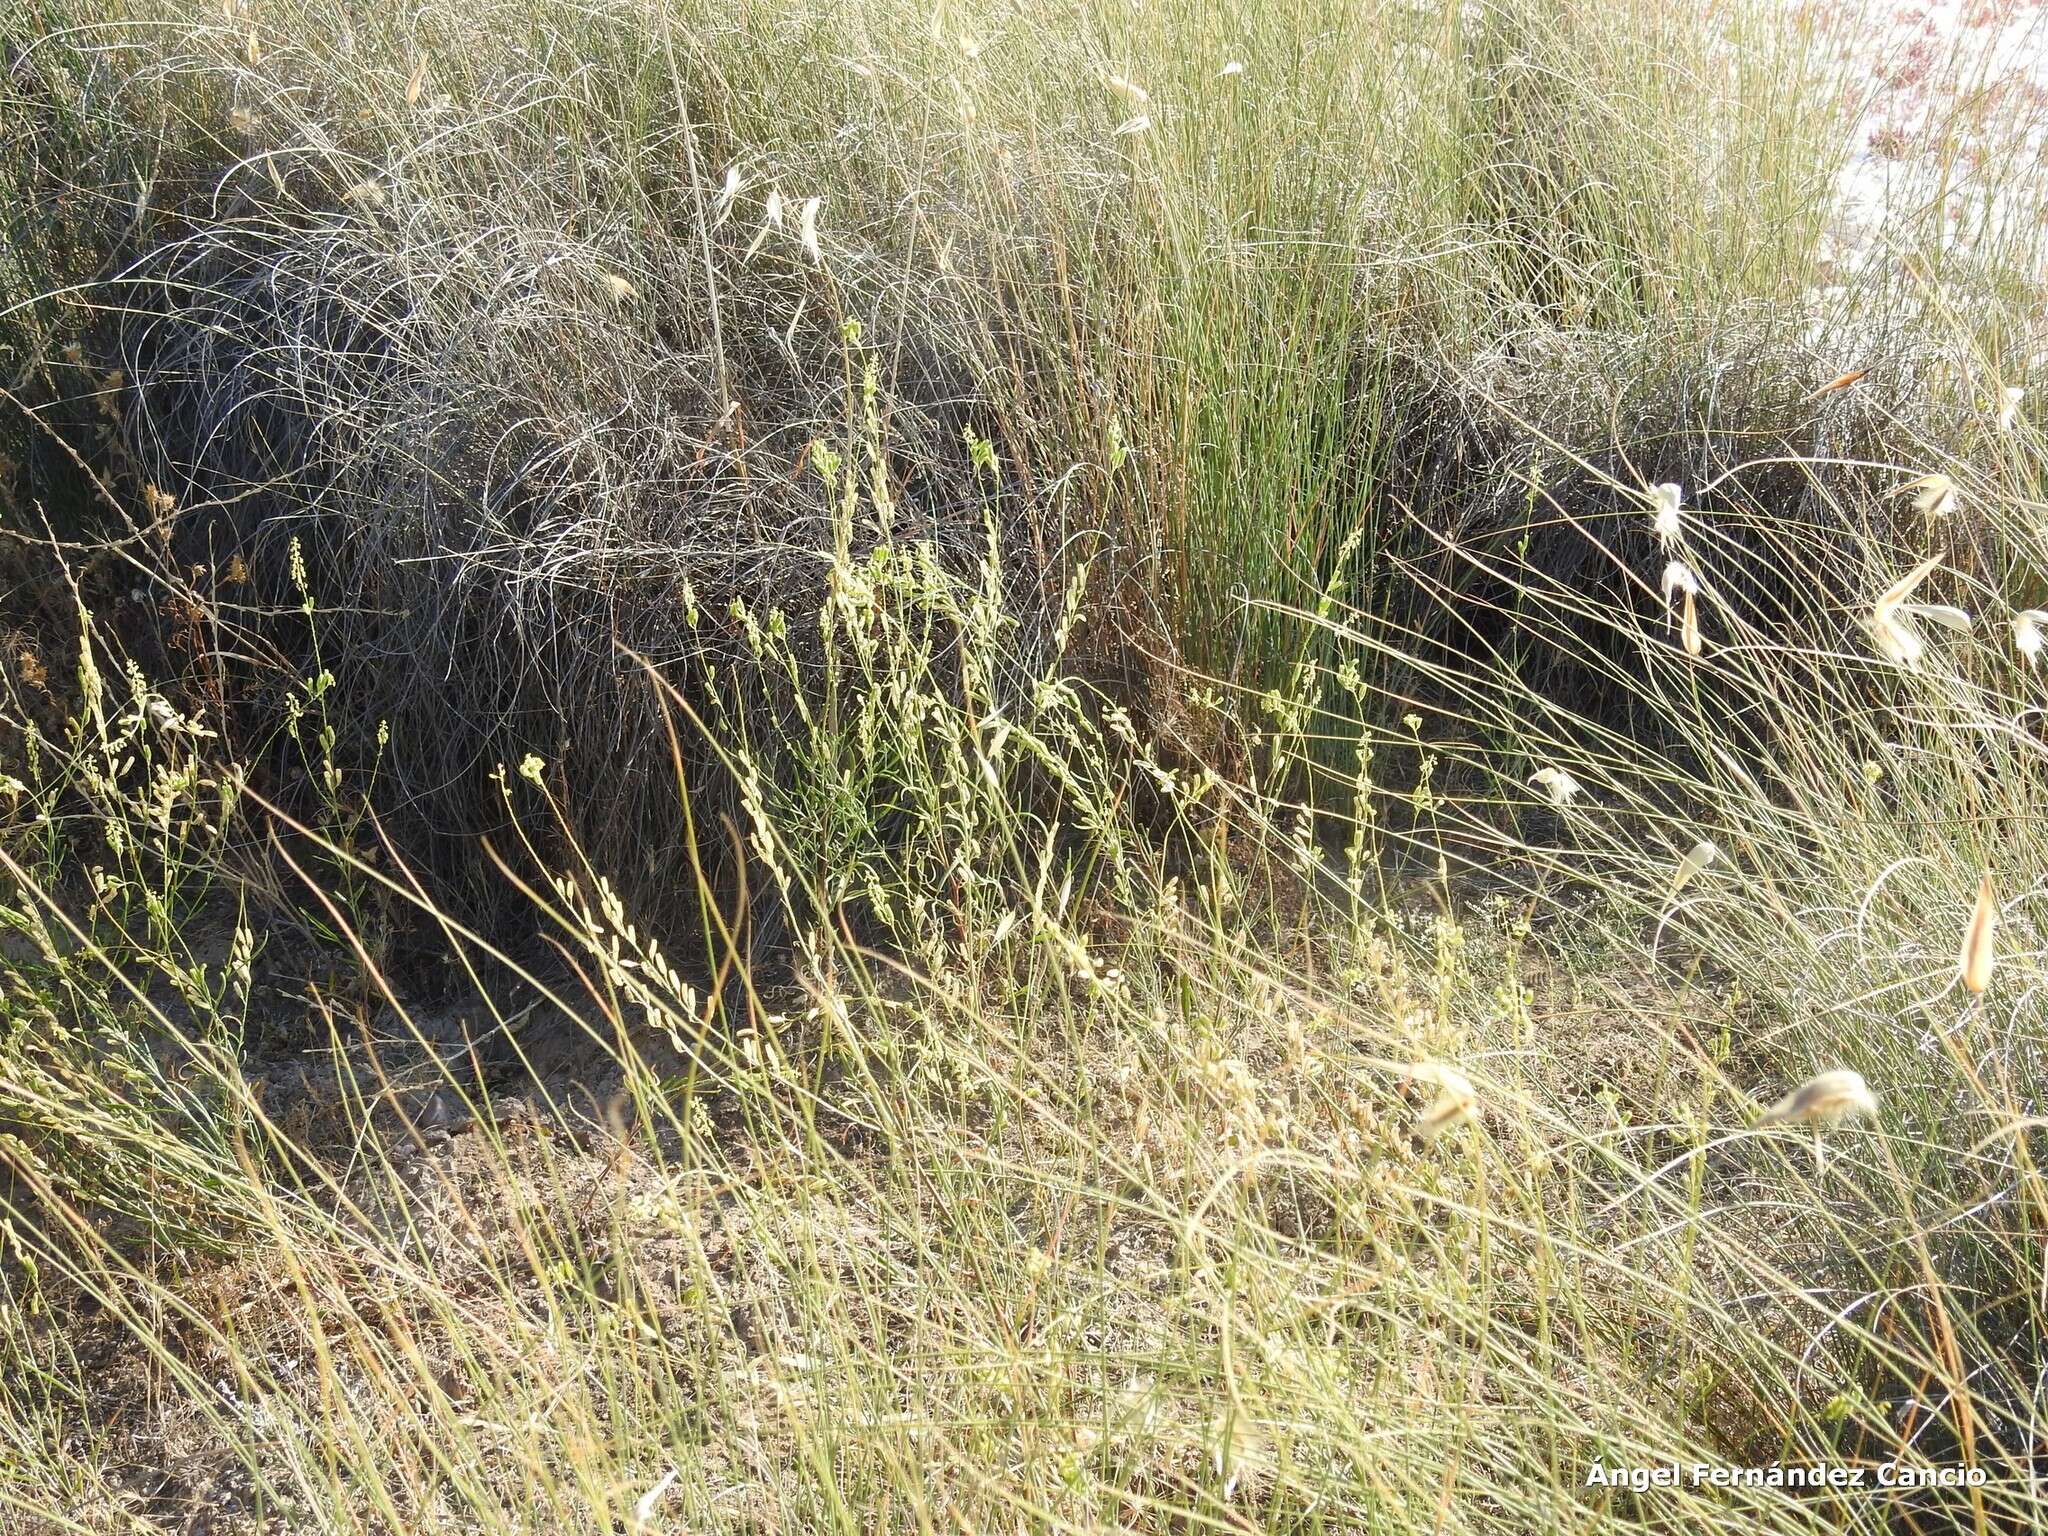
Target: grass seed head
(807, 230)
(1828, 1099)
(721, 205)
(1980, 939)
(1456, 1102)
(1559, 785)
(2028, 636)
(2009, 400)
(1689, 626)
(1128, 90)
(1697, 858)
(1890, 628)
(1934, 495)
(1665, 502)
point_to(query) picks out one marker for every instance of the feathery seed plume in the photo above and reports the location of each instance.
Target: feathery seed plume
(1828, 1099)
(1456, 1102)
(1665, 501)
(2027, 634)
(1678, 577)
(771, 218)
(1561, 786)
(2009, 400)
(1129, 90)
(721, 205)
(808, 230)
(1934, 495)
(1896, 639)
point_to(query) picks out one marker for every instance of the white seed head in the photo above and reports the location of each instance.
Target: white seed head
(1678, 577)
(1456, 1102)
(1947, 615)
(1128, 90)
(1898, 642)
(1697, 858)
(1559, 785)
(721, 205)
(1828, 1099)
(2009, 400)
(1665, 501)
(1934, 495)
(2027, 634)
(808, 230)
(1234, 67)
(771, 218)
(1139, 124)
(1891, 628)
